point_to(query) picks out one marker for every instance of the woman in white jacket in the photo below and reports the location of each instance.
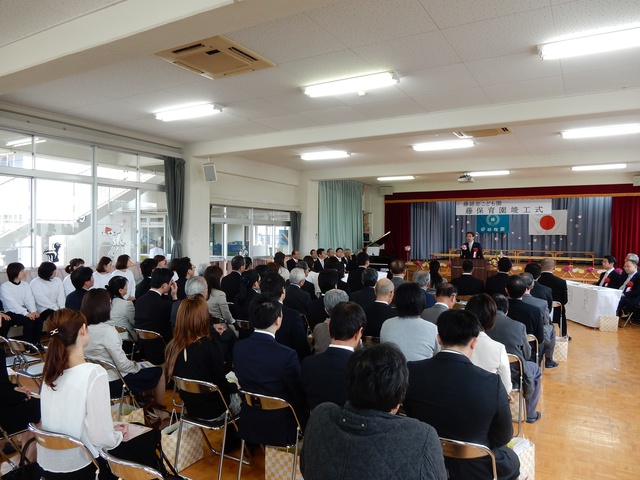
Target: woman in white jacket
(47, 290)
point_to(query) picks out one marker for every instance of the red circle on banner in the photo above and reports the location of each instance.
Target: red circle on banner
(547, 222)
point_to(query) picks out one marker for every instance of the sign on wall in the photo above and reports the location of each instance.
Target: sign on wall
(504, 207)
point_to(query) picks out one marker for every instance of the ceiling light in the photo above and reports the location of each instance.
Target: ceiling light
(21, 142)
(359, 85)
(489, 173)
(446, 145)
(395, 179)
(328, 155)
(611, 166)
(186, 112)
(607, 131)
(598, 43)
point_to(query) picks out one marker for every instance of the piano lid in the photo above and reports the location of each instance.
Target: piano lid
(380, 241)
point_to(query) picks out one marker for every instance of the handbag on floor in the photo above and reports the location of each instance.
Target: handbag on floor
(277, 463)
(25, 471)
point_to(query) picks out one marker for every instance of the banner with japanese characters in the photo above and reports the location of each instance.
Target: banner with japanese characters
(504, 207)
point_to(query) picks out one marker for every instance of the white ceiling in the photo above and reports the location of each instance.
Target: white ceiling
(463, 64)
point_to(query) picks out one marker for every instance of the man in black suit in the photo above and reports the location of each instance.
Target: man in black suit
(355, 276)
(293, 261)
(230, 283)
(539, 291)
(342, 258)
(609, 278)
(498, 282)
(153, 312)
(327, 280)
(466, 283)
(380, 311)
(147, 266)
(471, 249)
(559, 290)
(524, 313)
(549, 330)
(323, 376)
(630, 287)
(267, 367)
(366, 295)
(335, 264)
(462, 401)
(296, 298)
(318, 264)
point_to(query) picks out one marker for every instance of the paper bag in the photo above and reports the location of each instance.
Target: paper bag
(526, 451)
(130, 414)
(515, 398)
(191, 444)
(608, 323)
(561, 352)
(278, 463)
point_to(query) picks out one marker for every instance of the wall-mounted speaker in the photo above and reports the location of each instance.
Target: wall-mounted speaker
(210, 174)
(386, 191)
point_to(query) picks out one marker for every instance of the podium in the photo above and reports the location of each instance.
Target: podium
(479, 268)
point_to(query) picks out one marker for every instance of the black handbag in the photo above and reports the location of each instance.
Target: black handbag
(25, 471)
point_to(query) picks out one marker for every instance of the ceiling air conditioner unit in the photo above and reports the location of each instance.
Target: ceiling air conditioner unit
(486, 132)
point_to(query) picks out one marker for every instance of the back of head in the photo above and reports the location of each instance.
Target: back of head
(308, 259)
(434, 266)
(64, 326)
(96, 306)
(457, 328)
(248, 263)
(335, 264)
(384, 287)
(160, 258)
(102, 264)
(182, 266)
(377, 377)
(369, 277)
(528, 280)
(516, 286)
(249, 277)
(333, 298)
(296, 276)
(534, 269)
(192, 323)
(504, 264)
(421, 277)
(80, 276)
(547, 264)
(237, 262)
(73, 264)
(409, 300)
(633, 257)
(122, 262)
(273, 267)
(328, 279)
(262, 270)
(446, 290)
(13, 270)
(272, 284)
(502, 304)
(46, 270)
(302, 264)
(397, 267)
(196, 286)
(467, 266)
(160, 276)
(347, 318)
(279, 258)
(264, 311)
(116, 284)
(147, 266)
(362, 258)
(483, 306)
(213, 277)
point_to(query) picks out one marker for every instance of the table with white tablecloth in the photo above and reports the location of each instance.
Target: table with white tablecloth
(587, 303)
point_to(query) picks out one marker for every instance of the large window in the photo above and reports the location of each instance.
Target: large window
(248, 231)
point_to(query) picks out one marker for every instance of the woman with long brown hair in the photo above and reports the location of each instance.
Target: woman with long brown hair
(217, 302)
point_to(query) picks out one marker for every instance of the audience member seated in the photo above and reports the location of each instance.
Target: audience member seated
(217, 302)
(82, 280)
(249, 289)
(185, 270)
(355, 275)
(539, 291)
(196, 355)
(366, 295)
(318, 262)
(20, 306)
(328, 279)
(66, 281)
(278, 259)
(105, 344)
(335, 264)
(415, 337)
(102, 274)
(365, 438)
(323, 375)
(498, 283)
(123, 264)
(559, 290)
(513, 335)
(321, 335)
(609, 278)
(292, 332)
(293, 261)
(466, 283)
(462, 401)
(380, 311)
(398, 270)
(548, 330)
(308, 285)
(122, 310)
(525, 313)
(147, 266)
(296, 298)
(630, 299)
(436, 278)
(445, 299)
(423, 280)
(161, 259)
(230, 284)
(267, 367)
(47, 291)
(75, 401)
(489, 354)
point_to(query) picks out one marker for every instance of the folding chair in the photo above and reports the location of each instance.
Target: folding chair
(310, 340)
(122, 330)
(514, 359)
(149, 337)
(9, 437)
(23, 364)
(531, 338)
(129, 470)
(264, 402)
(60, 441)
(635, 313)
(457, 449)
(201, 387)
(555, 304)
(126, 391)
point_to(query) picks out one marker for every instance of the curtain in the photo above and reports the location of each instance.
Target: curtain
(397, 220)
(295, 230)
(340, 214)
(174, 185)
(625, 227)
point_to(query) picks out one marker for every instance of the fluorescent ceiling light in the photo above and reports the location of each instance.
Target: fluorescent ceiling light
(186, 112)
(21, 142)
(489, 173)
(358, 85)
(395, 179)
(328, 155)
(598, 43)
(607, 131)
(446, 145)
(611, 166)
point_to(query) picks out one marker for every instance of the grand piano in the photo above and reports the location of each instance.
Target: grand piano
(373, 249)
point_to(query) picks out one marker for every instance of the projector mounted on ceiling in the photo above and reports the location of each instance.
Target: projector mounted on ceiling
(465, 178)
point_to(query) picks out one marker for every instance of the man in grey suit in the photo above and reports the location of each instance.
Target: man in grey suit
(445, 299)
(398, 269)
(549, 331)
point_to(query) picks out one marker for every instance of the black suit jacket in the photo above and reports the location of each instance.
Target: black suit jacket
(323, 378)
(317, 266)
(74, 299)
(363, 297)
(543, 292)
(230, 284)
(291, 264)
(528, 315)
(615, 279)
(468, 285)
(376, 314)
(316, 313)
(310, 289)
(293, 332)
(153, 312)
(463, 402)
(560, 294)
(296, 298)
(264, 366)
(466, 253)
(630, 299)
(496, 283)
(143, 287)
(355, 279)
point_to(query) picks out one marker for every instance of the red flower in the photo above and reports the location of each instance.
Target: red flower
(607, 280)
(629, 284)
(475, 249)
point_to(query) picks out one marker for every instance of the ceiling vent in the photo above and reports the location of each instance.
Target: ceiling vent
(215, 57)
(487, 132)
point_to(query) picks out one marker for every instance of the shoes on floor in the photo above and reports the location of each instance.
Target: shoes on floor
(534, 419)
(550, 364)
(569, 337)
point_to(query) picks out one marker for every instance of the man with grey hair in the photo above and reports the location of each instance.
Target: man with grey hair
(423, 279)
(633, 257)
(548, 330)
(296, 298)
(194, 286)
(321, 337)
(380, 311)
(366, 295)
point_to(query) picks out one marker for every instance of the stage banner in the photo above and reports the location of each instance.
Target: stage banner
(504, 207)
(492, 224)
(554, 223)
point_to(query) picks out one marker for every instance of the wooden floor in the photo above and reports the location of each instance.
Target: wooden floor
(590, 426)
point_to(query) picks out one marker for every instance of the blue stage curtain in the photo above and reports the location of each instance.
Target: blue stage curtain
(340, 214)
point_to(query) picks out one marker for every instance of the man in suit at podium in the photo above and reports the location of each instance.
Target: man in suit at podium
(471, 249)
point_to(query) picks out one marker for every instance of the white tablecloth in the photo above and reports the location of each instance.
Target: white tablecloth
(588, 302)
